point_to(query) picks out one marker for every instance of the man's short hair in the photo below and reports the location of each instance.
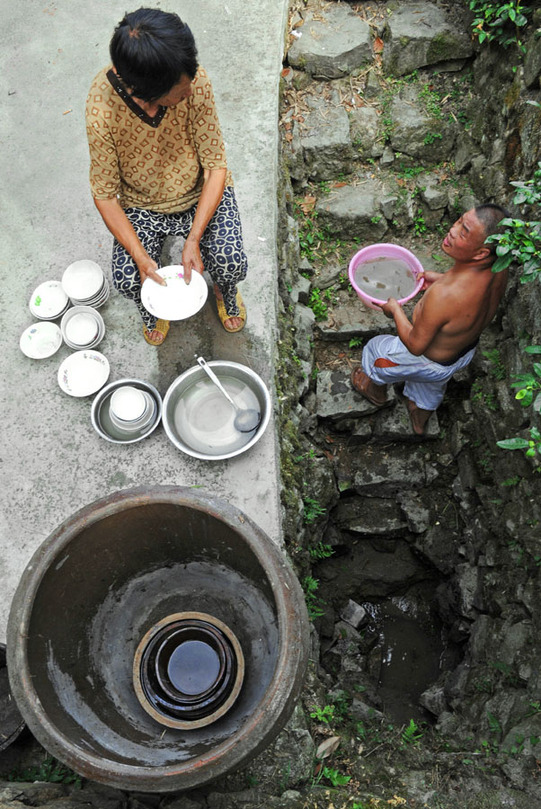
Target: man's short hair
(490, 215)
(151, 50)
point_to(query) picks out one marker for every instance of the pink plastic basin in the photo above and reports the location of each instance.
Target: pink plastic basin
(375, 251)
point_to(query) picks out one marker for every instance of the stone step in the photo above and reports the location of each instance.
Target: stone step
(337, 402)
(385, 471)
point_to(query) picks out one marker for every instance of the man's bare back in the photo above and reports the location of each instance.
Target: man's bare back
(446, 323)
(458, 304)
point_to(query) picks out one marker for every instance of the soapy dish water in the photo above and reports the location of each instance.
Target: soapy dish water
(205, 420)
(384, 278)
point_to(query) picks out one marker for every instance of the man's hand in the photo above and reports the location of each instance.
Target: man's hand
(429, 278)
(390, 307)
(191, 258)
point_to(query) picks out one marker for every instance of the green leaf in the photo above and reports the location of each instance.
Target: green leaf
(537, 368)
(513, 443)
(537, 403)
(502, 263)
(524, 396)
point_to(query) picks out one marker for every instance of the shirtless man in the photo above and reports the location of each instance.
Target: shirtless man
(446, 323)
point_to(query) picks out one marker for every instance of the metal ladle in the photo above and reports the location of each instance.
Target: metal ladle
(246, 419)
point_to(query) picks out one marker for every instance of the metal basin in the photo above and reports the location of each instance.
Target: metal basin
(103, 580)
(199, 420)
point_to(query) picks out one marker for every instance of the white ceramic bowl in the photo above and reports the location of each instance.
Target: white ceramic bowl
(101, 418)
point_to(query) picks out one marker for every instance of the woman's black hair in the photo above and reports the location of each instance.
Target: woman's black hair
(151, 50)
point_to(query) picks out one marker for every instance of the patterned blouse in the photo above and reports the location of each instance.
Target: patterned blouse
(152, 163)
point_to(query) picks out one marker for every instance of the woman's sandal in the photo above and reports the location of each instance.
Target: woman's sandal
(223, 315)
(162, 326)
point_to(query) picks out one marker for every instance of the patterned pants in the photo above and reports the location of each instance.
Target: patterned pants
(221, 247)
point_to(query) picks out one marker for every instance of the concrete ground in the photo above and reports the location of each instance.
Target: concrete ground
(53, 461)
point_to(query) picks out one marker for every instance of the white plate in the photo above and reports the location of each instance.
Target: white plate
(83, 279)
(41, 340)
(177, 300)
(48, 301)
(82, 329)
(83, 373)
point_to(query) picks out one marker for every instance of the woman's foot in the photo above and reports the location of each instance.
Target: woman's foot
(231, 323)
(157, 335)
(418, 417)
(361, 382)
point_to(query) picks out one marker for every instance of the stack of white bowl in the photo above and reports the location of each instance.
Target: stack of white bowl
(49, 301)
(85, 284)
(132, 409)
(82, 327)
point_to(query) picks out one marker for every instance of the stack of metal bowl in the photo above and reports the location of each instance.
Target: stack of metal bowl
(126, 411)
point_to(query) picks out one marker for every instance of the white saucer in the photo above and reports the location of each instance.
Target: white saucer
(48, 301)
(178, 300)
(83, 373)
(83, 279)
(41, 340)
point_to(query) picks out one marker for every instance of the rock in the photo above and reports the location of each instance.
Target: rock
(354, 614)
(300, 292)
(395, 425)
(369, 516)
(354, 211)
(433, 699)
(352, 318)
(419, 35)
(303, 321)
(336, 399)
(361, 711)
(532, 63)
(182, 802)
(417, 133)
(325, 139)
(416, 513)
(332, 45)
(434, 197)
(386, 473)
(365, 132)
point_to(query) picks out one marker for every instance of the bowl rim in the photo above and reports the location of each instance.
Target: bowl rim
(109, 388)
(393, 251)
(196, 369)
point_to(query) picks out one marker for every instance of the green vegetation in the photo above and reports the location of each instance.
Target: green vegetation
(318, 305)
(325, 714)
(528, 393)
(312, 510)
(355, 342)
(412, 734)
(314, 604)
(521, 240)
(499, 22)
(320, 551)
(49, 770)
(497, 368)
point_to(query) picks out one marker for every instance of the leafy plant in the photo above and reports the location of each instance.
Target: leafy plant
(497, 366)
(499, 22)
(318, 305)
(355, 342)
(521, 241)
(49, 770)
(528, 393)
(430, 137)
(320, 551)
(312, 510)
(419, 224)
(412, 734)
(325, 714)
(336, 778)
(314, 604)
